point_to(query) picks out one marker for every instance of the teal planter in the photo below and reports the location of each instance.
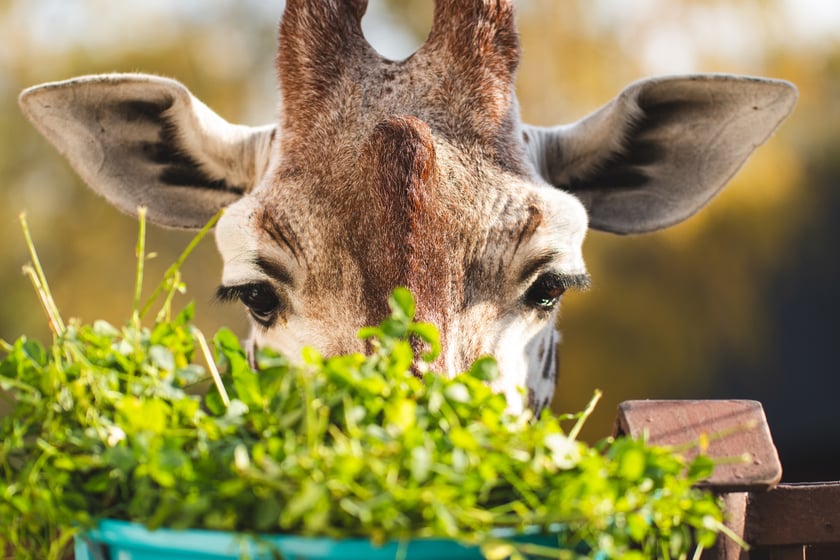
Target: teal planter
(121, 540)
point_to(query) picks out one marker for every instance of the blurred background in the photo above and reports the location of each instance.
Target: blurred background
(741, 301)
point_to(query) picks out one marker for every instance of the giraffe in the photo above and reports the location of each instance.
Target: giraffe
(418, 172)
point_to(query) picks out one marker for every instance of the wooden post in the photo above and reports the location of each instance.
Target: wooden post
(728, 429)
(735, 509)
(795, 515)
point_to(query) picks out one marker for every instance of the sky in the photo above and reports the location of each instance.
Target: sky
(669, 46)
(731, 30)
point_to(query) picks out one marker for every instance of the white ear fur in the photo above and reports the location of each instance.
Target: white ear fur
(141, 140)
(662, 149)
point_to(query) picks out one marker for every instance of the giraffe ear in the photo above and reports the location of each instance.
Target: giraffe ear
(662, 149)
(141, 140)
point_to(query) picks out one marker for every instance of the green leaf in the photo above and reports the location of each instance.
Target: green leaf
(213, 401)
(120, 458)
(394, 328)
(401, 413)
(457, 392)
(701, 468)
(402, 303)
(186, 315)
(247, 387)
(140, 415)
(267, 514)
(401, 358)
(638, 526)
(311, 356)
(370, 332)
(162, 357)
(485, 368)
(632, 464)
(33, 350)
(497, 550)
(64, 463)
(229, 352)
(227, 341)
(429, 334)
(421, 463)
(310, 496)
(105, 329)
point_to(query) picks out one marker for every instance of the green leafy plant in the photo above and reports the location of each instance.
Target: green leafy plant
(109, 422)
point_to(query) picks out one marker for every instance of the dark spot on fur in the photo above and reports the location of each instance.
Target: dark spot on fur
(541, 351)
(549, 365)
(191, 176)
(280, 231)
(143, 110)
(179, 168)
(626, 170)
(529, 227)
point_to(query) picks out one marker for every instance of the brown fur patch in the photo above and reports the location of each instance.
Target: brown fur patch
(400, 157)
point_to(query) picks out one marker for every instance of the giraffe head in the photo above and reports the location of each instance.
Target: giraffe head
(415, 173)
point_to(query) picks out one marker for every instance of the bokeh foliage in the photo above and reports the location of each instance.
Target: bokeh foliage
(736, 302)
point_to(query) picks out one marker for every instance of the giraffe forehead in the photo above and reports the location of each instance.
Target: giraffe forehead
(410, 196)
(406, 207)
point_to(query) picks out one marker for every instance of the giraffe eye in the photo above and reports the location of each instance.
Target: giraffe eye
(545, 292)
(260, 298)
(261, 301)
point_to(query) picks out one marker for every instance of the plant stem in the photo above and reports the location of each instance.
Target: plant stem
(39, 280)
(141, 258)
(165, 312)
(722, 528)
(702, 442)
(173, 270)
(211, 364)
(584, 416)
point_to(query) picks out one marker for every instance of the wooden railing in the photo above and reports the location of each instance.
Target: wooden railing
(778, 521)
